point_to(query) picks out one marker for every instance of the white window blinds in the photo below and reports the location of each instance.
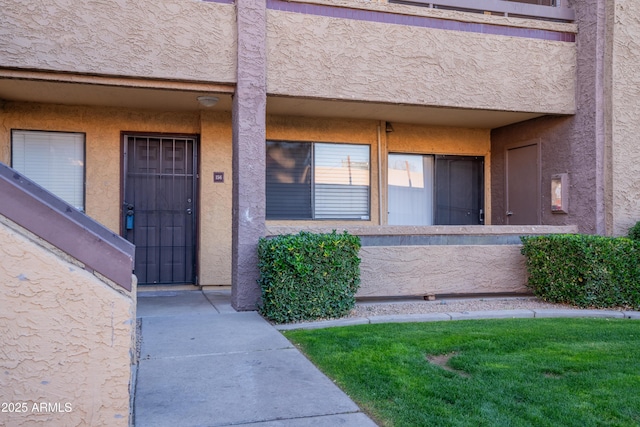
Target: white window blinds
(54, 160)
(341, 184)
(307, 180)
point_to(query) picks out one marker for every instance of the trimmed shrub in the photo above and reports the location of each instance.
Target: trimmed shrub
(634, 232)
(584, 270)
(308, 276)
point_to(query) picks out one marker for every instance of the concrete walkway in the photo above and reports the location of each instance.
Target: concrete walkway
(204, 364)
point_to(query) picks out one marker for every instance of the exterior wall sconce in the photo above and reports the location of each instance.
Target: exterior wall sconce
(208, 101)
(388, 128)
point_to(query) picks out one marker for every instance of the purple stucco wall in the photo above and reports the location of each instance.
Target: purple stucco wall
(249, 104)
(573, 145)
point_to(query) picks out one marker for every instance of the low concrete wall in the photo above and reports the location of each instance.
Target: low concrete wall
(67, 338)
(439, 260)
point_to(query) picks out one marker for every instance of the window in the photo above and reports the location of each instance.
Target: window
(54, 160)
(435, 190)
(317, 180)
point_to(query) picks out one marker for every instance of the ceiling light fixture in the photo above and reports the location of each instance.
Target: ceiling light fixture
(208, 101)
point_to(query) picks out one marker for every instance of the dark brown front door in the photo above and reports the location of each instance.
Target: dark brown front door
(159, 212)
(459, 190)
(523, 185)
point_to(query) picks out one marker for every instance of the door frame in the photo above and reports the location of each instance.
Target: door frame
(524, 143)
(196, 190)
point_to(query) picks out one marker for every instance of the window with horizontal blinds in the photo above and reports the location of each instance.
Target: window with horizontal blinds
(288, 180)
(307, 180)
(341, 181)
(54, 160)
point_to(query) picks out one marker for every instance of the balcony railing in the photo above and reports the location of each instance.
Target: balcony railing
(548, 10)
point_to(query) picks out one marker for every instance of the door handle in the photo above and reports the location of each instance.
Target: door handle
(189, 211)
(509, 213)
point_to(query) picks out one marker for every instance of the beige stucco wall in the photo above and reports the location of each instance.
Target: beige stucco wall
(322, 57)
(215, 199)
(624, 116)
(103, 127)
(439, 269)
(67, 339)
(183, 40)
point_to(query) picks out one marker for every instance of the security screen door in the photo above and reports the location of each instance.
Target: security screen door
(159, 211)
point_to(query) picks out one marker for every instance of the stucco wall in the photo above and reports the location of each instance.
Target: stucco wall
(103, 127)
(395, 270)
(573, 145)
(185, 40)
(624, 115)
(67, 339)
(215, 200)
(441, 270)
(324, 57)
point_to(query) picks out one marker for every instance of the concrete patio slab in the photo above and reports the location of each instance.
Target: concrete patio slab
(236, 388)
(173, 303)
(221, 300)
(192, 335)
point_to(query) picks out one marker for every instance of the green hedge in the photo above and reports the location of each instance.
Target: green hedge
(584, 270)
(634, 232)
(308, 276)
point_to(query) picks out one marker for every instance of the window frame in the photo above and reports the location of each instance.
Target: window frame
(83, 159)
(312, 184)
(435, 183)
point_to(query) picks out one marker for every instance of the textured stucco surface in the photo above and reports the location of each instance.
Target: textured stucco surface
(322, 57)
(215, 199)
(431, 270)
(67, 339)
(573, 145)
(625, 115)
(184, 40)
(248, 123)
(103, 127)
(598, 146)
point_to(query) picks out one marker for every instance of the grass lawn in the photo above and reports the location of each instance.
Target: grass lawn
(514, 372)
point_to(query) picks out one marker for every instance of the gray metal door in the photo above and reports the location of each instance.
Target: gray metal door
(459, 190)
(523, 185)
(159, 212)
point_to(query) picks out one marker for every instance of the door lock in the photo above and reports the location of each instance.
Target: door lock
(129, 217)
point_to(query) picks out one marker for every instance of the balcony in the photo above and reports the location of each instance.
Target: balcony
(550, 10)
(415, 64)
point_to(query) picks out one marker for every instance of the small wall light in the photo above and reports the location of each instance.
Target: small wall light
(208, 101)
(388, 127)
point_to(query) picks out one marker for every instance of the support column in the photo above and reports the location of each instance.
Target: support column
(249, 133)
